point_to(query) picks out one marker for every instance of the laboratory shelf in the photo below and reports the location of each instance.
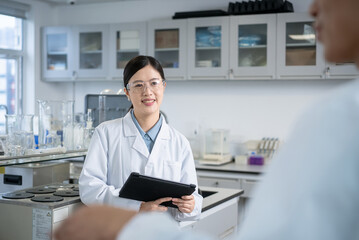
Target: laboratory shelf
(128, 51)
(208, 48)
(252, 47)
(300, 45)
(41, 157)
(166, 49)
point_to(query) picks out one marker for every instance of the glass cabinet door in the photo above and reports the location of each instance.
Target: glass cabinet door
(167, 47)
(167, 43)
(299, 54)
(208, 48)
(127, 40)
(252, 44)
(127, 47)
(92, 44)
(91, 50)
(57, 47)
(300, 45)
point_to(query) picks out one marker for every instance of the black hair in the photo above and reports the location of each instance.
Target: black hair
(136, 64)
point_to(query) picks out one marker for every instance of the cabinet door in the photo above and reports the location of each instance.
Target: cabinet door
(252, 44)
(127, 40)
(208, 48)
(299, 56)
(167, 43)
(91, 51)
(57, 53)
(341, 71)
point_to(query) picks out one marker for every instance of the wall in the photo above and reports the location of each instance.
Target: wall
(40, 14)
(250, 109)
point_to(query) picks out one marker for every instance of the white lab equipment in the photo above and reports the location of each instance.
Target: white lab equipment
(216, 147)
(266, 147)
(56, 120)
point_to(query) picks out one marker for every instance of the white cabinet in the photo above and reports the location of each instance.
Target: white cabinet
(268, 46)
(91, 51)
(208, 50)
(252, 46)
(299, 56)
(75, 53)
(127, 40)
(57, 53)
(167, 42)
(244, 181)
(339, 71)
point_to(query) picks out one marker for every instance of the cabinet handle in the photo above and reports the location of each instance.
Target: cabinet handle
(74, 75)
(327, 72)
(230, 73)
(216, 183)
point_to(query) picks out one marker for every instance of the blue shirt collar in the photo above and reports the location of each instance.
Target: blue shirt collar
(153, 132)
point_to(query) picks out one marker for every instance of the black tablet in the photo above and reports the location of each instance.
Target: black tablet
(145, 188)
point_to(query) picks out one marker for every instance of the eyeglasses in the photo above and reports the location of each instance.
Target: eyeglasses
(139, 86)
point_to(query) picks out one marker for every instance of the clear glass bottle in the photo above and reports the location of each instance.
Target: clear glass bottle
(89, 129)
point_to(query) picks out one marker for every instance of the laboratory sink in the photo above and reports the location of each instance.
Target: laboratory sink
(206, 193)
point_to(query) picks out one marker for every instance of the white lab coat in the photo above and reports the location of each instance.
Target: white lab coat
(310, 190)
(117, 149)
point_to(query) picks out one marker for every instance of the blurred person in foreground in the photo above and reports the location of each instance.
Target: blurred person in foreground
(311, 188)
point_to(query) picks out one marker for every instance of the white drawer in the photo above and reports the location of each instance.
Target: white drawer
(248, 185)
(219, 182)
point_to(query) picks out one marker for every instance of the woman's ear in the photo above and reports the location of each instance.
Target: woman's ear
(127, 94)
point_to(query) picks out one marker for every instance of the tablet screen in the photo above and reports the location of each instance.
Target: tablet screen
(145, 188)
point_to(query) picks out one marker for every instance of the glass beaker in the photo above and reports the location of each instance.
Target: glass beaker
(56, 120)
(20, 135)
(79, 127)
(27, 131)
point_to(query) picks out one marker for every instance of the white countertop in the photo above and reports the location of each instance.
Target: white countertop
(221, 195)
(232, 167)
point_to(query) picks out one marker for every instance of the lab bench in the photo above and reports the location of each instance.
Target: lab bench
(233, 176)
(218, 203)
(230, 175)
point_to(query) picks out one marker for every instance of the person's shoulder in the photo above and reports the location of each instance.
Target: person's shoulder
(110, 124)
(339, 106)
(175, 133)
(342, 97)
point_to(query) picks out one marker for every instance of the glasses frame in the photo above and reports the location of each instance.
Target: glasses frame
(128, 86)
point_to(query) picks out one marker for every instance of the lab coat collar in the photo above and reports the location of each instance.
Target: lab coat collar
(130, 130)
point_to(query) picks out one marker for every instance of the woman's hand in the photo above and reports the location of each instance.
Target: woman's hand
(154, 205)
(185, 204)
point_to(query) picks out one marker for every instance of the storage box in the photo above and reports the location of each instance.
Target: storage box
(129, 43)
(167, 38)
(300, 56)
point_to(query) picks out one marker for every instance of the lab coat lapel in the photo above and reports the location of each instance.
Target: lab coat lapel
(160, 145)
(131, 131)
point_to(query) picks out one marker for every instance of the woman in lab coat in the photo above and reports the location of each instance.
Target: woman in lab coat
(139, 142)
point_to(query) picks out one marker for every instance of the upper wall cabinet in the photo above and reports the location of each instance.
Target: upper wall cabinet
(298, 53)
(341, 70)
(167, 43)
(91, 51)
(75, 53)
(268, 46)
(252, 47)
(208, 40)
(127, 40)
(57, 53)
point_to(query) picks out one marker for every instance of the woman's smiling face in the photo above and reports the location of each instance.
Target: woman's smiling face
(149, 99)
